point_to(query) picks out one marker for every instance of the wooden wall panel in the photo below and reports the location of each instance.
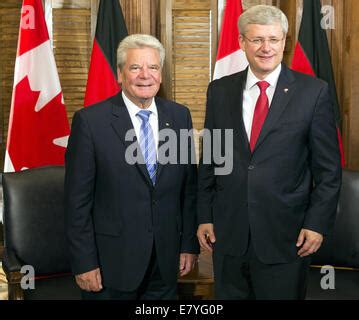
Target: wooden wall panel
(9, 30)
(72, 48)
(249, 3)
(81, 4)
(191, 5)
(140, 15)
(351, 80)
(290, 9)
(191, 60)
(188, 32)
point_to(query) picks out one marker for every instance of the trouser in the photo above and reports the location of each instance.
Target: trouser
(247, 278)
(152, 287)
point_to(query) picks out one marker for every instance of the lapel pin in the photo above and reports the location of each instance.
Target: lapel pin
(286, 90)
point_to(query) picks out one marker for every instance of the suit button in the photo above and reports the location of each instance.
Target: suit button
(250, 167)
(154, 202)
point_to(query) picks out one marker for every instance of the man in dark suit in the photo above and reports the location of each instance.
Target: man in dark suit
(130, 226)
(264, 219)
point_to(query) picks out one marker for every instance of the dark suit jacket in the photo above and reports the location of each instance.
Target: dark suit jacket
(290, 181)
(113, 212)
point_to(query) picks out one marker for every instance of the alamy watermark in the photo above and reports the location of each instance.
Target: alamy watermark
(174, 148)
(328, 280)
(28, 280)
(27, 17)
(328, 20)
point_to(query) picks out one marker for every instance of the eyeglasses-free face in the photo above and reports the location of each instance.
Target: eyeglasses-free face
(141, 76)
(264, 47)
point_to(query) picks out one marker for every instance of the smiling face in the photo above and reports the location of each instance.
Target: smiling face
(140, 77)
(263, 58)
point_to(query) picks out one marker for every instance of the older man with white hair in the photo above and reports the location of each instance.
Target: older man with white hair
(131, 226)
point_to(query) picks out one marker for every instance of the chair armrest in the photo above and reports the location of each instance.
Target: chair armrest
(11, 266)
(10, 262)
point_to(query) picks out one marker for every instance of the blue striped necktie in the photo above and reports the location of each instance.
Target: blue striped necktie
(147, 144)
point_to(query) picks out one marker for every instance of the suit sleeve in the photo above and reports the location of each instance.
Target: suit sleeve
(325, 166)
(189, 241)
(206, 177)
(79, 193)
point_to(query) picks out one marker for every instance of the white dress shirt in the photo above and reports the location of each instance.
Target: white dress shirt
(136, 121)
(251, 93)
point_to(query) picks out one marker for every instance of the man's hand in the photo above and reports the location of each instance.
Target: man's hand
(309, 241)
(187, 261)
(90, 281)
(206, 237)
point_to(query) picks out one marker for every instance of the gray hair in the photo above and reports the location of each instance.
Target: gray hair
(262, 14)
(138, 41)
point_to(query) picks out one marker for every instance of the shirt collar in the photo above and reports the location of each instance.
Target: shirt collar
(134, 109)
(272, 78)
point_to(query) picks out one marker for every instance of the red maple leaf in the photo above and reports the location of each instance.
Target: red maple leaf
(30, 142)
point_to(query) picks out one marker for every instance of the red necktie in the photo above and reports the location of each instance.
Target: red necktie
(260, 113)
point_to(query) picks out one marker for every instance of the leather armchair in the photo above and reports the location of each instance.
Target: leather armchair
(34, 234)
(341, 249)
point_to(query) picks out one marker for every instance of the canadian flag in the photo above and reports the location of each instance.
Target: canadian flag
(230, 57)
(38, 125)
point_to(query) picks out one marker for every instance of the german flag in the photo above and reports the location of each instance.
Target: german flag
(312, 56)
(110, 30)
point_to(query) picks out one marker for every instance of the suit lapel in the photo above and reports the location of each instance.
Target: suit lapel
(236, 104)
(164, 122)
(282, 95)
(122, 124)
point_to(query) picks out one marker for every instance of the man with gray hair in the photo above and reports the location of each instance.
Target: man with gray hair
(264, 220)
(131, 228)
